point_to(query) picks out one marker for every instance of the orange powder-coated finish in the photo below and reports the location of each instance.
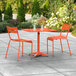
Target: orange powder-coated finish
(38, 39)
(52, 38)
(15, 30)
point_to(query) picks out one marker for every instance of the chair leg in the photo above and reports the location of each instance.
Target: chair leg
(31, 49)
(22, 48)
(52, 48)
(47, 46)
(68, 46)
(61, 45)
(7, 49)
(18, 52)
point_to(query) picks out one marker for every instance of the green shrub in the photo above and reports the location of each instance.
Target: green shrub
(21, 11)
(25, 25)
(34, 19)
(63, 11)
(8, 12)
(46, 9)
(55, 5)
(0, 16)
(14, 22)
(3, 26)
(70, 7)
(36, 8)
(57, 22)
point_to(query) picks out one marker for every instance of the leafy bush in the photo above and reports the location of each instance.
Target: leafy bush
(8, 12)
(37, 20)
(21, 11)
(70, 7)
(36, 16)
(53, 22)
(14, 22)
(34, 19)
(46, 8)
(36, 8)
(56, 22)
(63, 11)
(55, 5)
(25, 25)
(0, 16)
(3, 26)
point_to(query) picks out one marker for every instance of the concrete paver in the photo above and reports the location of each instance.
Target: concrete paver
(62, 64)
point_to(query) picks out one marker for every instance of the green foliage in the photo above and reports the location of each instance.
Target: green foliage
(36, 8)
(14, 5)
(14, 22)
(70, 7)
(46, 9)
(2, 5)
(53, 22)
(0, 16)
(55, 5)
(3, 26)
(63, 11)
(21, 11)
(28, 6)
(46, 4)
(70, 12)
(56, 22)
(25, 25)
(34, 19)
(8, 12)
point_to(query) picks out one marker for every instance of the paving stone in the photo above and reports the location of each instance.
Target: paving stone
(62, 64)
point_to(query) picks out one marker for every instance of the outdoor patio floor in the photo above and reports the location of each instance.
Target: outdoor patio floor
(62, 64)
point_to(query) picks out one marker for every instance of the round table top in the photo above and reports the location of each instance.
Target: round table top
(38, 30)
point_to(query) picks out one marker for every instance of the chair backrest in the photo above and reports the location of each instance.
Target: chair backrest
(65, 27)
(12, 30)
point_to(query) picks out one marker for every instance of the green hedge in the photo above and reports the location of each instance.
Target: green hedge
(24, 25)
(3, 26)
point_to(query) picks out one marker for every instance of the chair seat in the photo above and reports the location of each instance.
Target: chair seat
(56, 37)
(21, 40)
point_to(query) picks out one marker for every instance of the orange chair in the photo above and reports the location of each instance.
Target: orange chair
(52, 38)
(15, 30)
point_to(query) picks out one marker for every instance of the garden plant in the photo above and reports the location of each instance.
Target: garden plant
(56, 13)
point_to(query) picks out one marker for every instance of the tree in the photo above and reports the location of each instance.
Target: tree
(70, 7)
(36, 8)
(46, 8)
(70, 10)
(0, 16)
(8, 12)
(2, 5)
(21, 11)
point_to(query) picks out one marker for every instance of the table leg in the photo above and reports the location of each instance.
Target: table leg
(38, 47)
(38, 42)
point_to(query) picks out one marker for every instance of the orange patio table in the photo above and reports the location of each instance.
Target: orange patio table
(38, 39)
